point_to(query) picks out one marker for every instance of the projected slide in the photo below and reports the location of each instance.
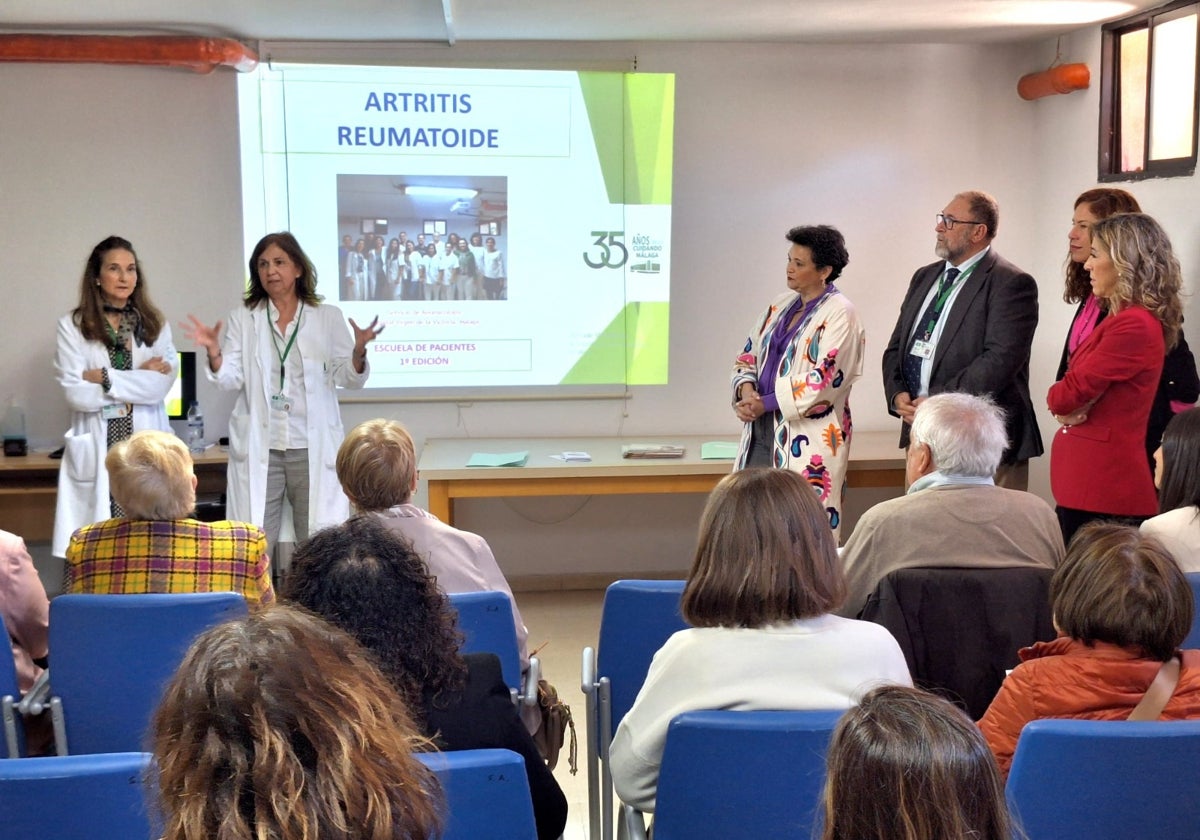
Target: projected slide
(511, 228)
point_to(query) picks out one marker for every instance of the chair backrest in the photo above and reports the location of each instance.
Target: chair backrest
(1091, 780)
(487, 794)
(487, 624)
(76, 797)
(637, 618)
(113, 655)
(743, 774)
(960, 628)
(1192, 642)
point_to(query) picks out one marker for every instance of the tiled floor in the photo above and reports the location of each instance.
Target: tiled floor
(563, 623)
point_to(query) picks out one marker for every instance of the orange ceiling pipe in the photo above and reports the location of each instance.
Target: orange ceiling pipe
(1061, 79)
(202, 55)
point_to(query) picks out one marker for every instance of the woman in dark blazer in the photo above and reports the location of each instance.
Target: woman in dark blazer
(1098, 466)
(369, 581)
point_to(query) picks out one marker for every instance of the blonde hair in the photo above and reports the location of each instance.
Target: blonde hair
(376, 465)
(1148, 273)
(280, 726)
(150, 475)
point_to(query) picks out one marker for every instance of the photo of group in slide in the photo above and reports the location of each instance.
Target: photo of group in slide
(422, 238)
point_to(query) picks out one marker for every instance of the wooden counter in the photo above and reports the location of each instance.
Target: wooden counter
(29, 487)
(875, 461)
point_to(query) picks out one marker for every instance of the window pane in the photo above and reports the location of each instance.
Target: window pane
(1173, 88)
(1132, 49)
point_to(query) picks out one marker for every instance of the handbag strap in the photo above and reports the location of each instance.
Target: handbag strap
(1159, 693)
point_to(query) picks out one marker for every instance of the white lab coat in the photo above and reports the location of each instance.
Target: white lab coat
(325, 346)
(82, 478)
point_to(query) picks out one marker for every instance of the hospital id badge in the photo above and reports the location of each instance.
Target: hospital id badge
(924, 349)
(114, 411)
(280, 402)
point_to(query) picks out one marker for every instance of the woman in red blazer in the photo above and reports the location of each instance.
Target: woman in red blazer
(1098, 468)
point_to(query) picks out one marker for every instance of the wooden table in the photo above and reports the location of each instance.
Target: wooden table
(875, 461)
(29, 489)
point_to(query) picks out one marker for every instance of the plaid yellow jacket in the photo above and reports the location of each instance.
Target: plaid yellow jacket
(128, 556)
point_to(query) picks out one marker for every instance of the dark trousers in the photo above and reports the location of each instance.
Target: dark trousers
(1070, 520)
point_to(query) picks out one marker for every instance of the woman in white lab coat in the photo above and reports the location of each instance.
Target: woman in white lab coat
(115, 362)
(286, 352)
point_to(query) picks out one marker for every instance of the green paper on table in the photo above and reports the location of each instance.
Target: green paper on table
(718, 450)
(498, 459)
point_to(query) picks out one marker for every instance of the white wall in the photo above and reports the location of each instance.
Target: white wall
(874, 139)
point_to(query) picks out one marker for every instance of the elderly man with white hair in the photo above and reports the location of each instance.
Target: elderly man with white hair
(953, 514)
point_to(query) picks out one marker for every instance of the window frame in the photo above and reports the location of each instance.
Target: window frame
(1110, 100)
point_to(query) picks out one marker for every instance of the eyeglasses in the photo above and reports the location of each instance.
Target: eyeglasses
(949, 222)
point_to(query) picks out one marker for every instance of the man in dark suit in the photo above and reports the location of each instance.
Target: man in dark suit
(966, 325)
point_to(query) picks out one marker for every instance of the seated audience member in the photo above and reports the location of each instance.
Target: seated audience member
(156, 547)
(1122, 608)
(377, 467)
(759, 596)
(371, 583)
(1177, 476)
(906, 765)
(280, 726)
(953, 513)
(24, 608)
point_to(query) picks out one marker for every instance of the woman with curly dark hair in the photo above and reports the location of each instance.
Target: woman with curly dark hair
(280, 725)
(792, 378)
(370, 582)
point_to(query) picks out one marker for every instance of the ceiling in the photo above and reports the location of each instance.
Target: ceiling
(454, 21)
(383, 197)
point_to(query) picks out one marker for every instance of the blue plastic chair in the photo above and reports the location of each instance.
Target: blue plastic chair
(487, 794)
(1096, 780)
(740, 774)
(1192, 642)
(113, 655)
(10, 696)
(77, 797)
(488, 626)
(637, 618)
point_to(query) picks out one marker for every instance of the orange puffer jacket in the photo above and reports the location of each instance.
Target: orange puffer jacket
(1067, 679)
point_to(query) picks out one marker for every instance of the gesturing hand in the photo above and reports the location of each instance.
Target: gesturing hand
(204, 335)
(365, 335)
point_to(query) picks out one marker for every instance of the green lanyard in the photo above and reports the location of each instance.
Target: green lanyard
(283, 354)
(940, 301)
